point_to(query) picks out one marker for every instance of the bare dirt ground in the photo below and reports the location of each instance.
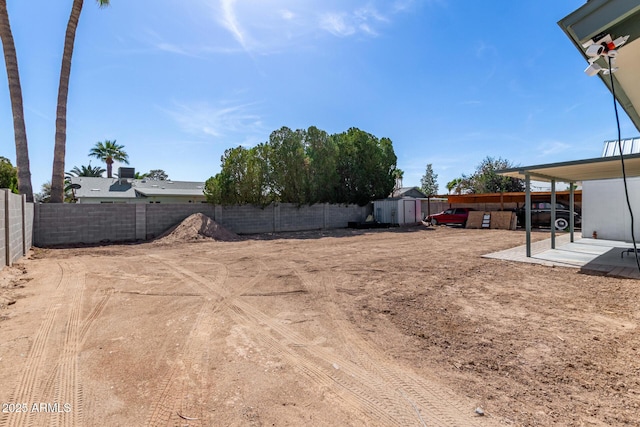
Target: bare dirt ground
(407, 327)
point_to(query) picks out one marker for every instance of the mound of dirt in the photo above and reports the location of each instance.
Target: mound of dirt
(197, 227)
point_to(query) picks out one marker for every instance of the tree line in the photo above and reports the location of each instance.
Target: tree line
(306, 167)
(485, 179)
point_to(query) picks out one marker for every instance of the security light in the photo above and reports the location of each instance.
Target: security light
(602, 46)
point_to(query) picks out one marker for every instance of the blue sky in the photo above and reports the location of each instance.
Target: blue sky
(178, 82)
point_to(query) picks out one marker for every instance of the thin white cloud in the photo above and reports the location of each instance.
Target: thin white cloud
(261, 28)
(337, 24)
(230, 22)
(361, 21)
(204, 120)
(287, 14)
(552, 147)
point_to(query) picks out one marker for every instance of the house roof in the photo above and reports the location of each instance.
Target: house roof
(133, 188)
(578, 170)
(617, 18)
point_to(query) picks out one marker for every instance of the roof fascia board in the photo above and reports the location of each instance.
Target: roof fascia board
(544, 177)
(571, 163)
(597, 16)
(538, 170)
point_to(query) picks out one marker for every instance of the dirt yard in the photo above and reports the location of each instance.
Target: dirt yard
(404, 327)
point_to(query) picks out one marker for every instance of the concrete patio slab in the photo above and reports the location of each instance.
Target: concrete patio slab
(591, 256)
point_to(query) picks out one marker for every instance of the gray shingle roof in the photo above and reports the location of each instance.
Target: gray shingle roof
(132, 188)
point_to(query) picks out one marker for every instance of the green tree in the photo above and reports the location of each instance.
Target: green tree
(486, 180)
(57, 176)
(429, 181)
(157, 175)
(44, 196)
(90, 171)
(109, 152)
(139, 175)
(242, 178)
(306, 167)
(322, 157)
(365, 166)
(15, 95)
(8, 175)
(289, 178)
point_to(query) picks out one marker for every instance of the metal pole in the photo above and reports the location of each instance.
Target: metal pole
(571, 210)
(553, 214)
(527, 213)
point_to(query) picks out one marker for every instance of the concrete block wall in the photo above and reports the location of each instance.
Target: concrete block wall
(16, 225)
(338, 216)
(13, 227)
(298, 218)
(28, 225)
(3, 237)
(248, 219)
(59, 224)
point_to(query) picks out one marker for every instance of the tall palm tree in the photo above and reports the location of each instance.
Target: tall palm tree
(398, 174)
(109, 152)
(15, 93)
(57, 177)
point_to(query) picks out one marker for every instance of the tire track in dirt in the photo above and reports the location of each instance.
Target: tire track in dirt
(430, 402)
(50, 386)
(25, 390)
(67, 388)
(354, 390)
(95, 313)
(355, 386)
(172, 404)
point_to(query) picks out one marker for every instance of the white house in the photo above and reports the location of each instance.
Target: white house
(604, 204)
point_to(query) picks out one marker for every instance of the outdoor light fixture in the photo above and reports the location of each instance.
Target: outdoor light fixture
(602, 46)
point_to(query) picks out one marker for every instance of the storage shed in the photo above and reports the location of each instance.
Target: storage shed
(405, 211)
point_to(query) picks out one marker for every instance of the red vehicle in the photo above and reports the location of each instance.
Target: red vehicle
(450, 216)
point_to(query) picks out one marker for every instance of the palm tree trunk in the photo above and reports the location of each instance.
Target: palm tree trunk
(15, 93)
(57, 177)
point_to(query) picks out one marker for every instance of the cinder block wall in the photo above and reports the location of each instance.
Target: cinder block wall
(338, 216)
(28, 226)
(16, 226)
(59, 224)
(3, 227)
(248, 219)
(13, 213)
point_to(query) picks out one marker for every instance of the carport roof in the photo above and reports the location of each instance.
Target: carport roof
(578, 170)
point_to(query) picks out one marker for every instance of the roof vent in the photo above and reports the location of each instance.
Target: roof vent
(124, 173)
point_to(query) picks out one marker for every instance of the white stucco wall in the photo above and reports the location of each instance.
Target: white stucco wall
(604, 209)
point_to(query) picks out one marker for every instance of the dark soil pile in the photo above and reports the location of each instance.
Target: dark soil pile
(197, 227)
